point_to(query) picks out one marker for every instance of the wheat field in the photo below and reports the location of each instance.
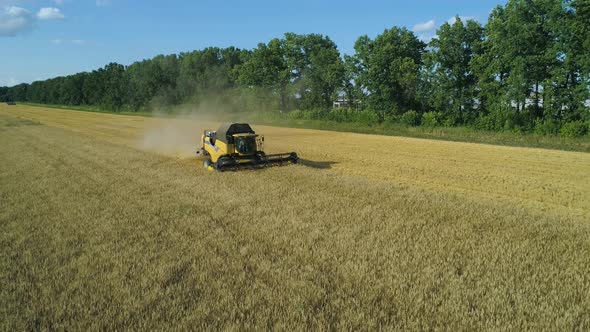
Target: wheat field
(110, 222)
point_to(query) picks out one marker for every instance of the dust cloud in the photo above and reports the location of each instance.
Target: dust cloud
(177, 131)
(175, 137)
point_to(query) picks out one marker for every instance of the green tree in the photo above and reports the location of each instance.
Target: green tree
(571, 75)
(93, 88)
(389, 69)
(153, 79)
(351, 89)
(317, 69)
(520, 54)
(267, 67)
(208, 72)
(115, 86)
(18, 92)
(4, 94)
(449, 65)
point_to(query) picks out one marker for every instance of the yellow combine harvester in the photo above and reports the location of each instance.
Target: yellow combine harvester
(236, 145)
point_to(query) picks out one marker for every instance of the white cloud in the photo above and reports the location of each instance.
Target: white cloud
(426, 37)
(424, 26)
(464, 19)
(59, 41)
(14, 20)
(103, 2)
(50, 13)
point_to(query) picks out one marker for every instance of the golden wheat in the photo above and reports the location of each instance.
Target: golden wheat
(100, 232)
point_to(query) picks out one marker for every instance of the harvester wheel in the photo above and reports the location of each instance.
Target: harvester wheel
(207, 164)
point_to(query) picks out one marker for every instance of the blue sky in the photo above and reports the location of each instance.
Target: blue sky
(41, 39)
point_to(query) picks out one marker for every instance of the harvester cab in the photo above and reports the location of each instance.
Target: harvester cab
(235, 146)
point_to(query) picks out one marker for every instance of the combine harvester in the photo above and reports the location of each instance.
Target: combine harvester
(235, 146)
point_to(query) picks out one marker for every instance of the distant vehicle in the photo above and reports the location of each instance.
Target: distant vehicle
(10, 103)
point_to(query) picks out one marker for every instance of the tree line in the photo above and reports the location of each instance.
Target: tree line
(527, 69)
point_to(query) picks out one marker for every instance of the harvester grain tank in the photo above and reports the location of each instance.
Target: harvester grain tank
(235, 146)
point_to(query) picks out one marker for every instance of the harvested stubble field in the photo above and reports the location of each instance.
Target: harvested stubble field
(109, 222)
